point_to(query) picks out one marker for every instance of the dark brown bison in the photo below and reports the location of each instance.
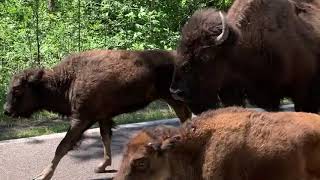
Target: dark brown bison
(230, 143)
(94, 86)
(269, 48)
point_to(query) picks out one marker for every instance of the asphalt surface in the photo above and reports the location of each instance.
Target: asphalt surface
(22, 159)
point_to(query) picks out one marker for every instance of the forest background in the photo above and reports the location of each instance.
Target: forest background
(39, 33)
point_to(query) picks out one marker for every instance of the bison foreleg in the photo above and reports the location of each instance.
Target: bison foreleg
(73, 135)
(303, 100)
(105, 132)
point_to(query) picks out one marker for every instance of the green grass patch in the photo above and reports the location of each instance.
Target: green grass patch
(18, 131)
(47, 123)
(141, 116)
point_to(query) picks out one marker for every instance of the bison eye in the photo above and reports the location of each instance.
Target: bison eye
(141, 164)
(186, 67)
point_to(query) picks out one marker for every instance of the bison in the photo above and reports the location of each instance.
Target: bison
(269, 48)
(229, 143)
(94, 86)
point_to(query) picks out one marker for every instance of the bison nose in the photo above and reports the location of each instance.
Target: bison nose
(178, 94)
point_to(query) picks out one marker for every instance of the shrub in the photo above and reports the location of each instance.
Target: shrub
(117, 24)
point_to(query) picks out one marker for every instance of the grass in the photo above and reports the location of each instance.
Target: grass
(47, 123)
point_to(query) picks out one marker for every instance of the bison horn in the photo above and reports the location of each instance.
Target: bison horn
(225, 30)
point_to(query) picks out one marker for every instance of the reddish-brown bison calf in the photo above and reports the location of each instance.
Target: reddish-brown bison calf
(91, 87)
(228, 144)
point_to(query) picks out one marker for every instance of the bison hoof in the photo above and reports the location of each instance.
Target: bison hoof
(102, 166)
(42, 177)
(100, 170)
(46, 174)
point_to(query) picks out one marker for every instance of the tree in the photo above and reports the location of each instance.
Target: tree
(52, 5)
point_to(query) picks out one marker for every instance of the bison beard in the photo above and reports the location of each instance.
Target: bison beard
(230, 143)
(271, 49)
(94, 86)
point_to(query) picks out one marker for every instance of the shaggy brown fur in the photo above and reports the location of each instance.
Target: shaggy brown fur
(94, 86)
(227, 144)
(270, 48)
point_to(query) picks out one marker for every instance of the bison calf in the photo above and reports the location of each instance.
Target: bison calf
(230, 143)
(91, 87)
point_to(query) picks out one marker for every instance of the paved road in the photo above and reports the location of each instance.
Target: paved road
(24, 158)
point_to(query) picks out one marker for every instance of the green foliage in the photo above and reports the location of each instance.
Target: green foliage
(116, 24)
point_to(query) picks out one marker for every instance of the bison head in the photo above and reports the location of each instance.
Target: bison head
(23, 96)
(201, 65)
(146, 156)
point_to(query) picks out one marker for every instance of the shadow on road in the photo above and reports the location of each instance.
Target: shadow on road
(35, 141)
(102, 179)
(92, 147)
(110, 171)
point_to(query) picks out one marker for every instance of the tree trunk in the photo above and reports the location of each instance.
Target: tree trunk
(79, 25)
(51, 5)
(37, 32)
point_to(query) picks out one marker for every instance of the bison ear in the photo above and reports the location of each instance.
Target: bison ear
(36, 76)
(171, 142)
(153, 147)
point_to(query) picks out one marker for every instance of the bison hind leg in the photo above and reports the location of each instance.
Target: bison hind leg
(68, 142)
(106, 133)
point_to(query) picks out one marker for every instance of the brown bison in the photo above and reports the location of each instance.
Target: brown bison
(230, 143)
(271, 48)
(94, 86)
